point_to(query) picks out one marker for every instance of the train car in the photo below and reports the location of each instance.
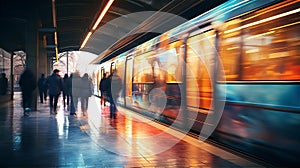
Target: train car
(231, 74)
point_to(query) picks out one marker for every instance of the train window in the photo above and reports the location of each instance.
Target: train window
(155, 71)
(166, 65)
(200, 63)
(142, 69)
(229, 50)
(120, 66)
(170, 61)
(271, 44)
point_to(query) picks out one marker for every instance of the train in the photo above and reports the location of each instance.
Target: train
(231, 74)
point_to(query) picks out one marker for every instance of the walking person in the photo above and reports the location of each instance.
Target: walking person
(42, 88)
(85, 93)
(103, 86)
(27, 83)
(3, 84)
(75, 92)
(113, 92)
(72, 106)
(67, 89)
(55, 86)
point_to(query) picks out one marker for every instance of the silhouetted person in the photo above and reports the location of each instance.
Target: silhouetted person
(67, 89)
(42, 88)
(85, 92)
(103, 86)
(27, 83)
(3, 84)
(76, 81)
(113, 92)
(55, 86)
(72, 106)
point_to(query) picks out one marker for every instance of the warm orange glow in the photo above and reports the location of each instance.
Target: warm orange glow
(85, 40)
(56, 53)
(54, 13)
(264, 20)
(102, 14)
(260, 35)
(55, 26)
(97, 22)
(280, 27)
(55, 38)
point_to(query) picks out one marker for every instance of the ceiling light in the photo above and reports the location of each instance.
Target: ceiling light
(97, 22)
(85, 40)
(102, 14)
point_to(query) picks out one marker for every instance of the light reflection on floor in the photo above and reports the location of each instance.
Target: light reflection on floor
(94, 140)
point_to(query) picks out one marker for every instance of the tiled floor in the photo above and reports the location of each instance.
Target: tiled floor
(41, 140)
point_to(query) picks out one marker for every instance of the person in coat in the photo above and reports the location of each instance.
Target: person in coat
(103, 86)
(55, 86)
(85, 93)
(27, 84)
(67, 89)
(3, 84)
(75, 92)
(114, 88)
(42, 88)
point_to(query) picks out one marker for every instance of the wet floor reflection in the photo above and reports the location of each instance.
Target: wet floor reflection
(132, 139)
(62, 124)
(94, 140)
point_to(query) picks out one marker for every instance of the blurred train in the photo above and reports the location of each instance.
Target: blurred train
(231, 74)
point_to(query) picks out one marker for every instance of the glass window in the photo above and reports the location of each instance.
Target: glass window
(155, 71)
(120, 66)
(142, 69)
(165, 66)
(168, 63)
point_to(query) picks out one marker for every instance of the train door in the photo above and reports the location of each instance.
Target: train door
(128, 80)
(200, 60)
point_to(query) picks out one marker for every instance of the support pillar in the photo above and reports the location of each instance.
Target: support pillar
(32, 50)
(12, 81)
(43, 62)
(49, 64)
(68, 62)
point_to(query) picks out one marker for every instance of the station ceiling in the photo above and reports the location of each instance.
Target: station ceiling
(75, 18)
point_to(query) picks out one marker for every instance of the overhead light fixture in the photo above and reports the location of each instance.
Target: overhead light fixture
(86, 39)
(102, 14)
(55, 26)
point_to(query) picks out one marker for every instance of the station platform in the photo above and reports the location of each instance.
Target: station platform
(95, 140)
